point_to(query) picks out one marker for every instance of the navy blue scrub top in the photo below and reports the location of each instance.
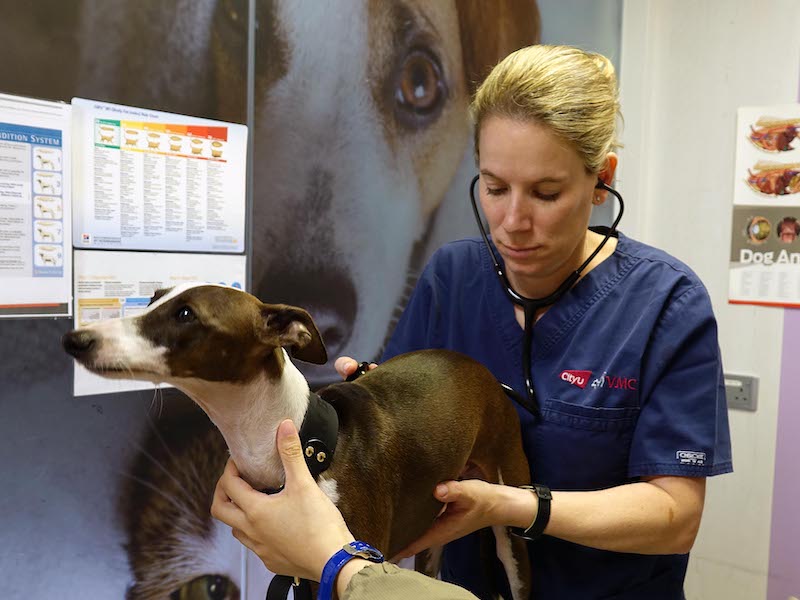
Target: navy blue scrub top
(627, 370)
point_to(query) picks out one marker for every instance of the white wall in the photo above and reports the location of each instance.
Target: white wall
(589, 24)
(686, 67)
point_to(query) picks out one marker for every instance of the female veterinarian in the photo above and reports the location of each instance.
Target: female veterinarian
(611, 344)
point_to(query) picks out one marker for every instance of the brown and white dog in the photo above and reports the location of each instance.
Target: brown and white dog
(225, 349)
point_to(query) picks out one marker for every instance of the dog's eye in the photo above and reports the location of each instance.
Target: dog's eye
(185, 315)
(420, 88)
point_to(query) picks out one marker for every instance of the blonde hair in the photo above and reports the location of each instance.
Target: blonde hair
(570, 91)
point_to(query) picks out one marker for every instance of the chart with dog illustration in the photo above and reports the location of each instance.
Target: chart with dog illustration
(765, 250)
(150, 180)
(35, 267)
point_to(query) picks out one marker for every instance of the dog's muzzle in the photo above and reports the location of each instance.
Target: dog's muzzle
(79, 343)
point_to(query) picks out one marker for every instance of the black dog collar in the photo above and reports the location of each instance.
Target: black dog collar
(318, 436)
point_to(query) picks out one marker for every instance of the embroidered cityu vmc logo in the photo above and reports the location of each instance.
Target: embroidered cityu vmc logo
(615, 382)
(579, 378)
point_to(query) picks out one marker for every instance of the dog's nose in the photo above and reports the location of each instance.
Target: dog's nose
(78, 343)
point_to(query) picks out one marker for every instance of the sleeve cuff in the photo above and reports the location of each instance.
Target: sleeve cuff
(651, 469)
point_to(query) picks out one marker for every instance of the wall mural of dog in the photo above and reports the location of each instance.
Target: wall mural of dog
(361, 128)
(362, 157)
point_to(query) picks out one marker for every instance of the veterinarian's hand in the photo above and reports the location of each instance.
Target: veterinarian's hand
(346, 366)
(470, 505)
(295, 531)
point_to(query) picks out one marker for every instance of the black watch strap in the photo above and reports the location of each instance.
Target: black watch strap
(536, 529)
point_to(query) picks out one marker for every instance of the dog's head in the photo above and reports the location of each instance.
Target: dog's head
(200, 332)
(361, 126)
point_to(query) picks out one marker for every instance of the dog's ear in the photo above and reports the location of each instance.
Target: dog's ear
(293, 327)
(492, 29)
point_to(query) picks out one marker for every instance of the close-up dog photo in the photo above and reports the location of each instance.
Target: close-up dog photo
(362, 154)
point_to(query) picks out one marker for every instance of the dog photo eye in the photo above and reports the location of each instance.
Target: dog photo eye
(207, 587)
(420, 88)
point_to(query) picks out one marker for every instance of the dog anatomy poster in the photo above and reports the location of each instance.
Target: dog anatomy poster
(35, 247)
(361, 161)
(765, 250)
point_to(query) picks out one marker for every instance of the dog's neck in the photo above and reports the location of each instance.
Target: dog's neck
(248, 416)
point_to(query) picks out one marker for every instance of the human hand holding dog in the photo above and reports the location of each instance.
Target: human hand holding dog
(470, 505)
(293, 532)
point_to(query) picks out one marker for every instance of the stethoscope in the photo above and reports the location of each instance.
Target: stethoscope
(531, 305)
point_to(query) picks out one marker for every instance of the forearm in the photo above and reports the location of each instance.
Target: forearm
(388, 582)
(657, 517)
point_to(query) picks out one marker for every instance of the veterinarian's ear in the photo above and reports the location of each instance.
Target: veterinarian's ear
(485, 42)
(294, 328)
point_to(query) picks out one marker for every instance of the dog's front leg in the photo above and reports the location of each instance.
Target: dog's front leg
(513, 554)
(428, 562)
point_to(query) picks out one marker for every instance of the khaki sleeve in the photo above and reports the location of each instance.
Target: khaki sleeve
(389, 582)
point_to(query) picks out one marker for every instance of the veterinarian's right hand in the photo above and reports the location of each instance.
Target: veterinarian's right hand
(295, 531)
(470, 505)
(346, 366)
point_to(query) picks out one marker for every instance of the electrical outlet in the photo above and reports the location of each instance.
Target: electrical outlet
(742, 391)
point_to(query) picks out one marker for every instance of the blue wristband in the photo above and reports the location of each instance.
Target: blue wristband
(340, 559)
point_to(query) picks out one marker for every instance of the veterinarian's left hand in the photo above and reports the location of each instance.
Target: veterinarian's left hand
(470, 505)
(295, 531)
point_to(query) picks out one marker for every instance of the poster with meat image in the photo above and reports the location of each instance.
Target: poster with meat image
(765, 251)
(768, 156)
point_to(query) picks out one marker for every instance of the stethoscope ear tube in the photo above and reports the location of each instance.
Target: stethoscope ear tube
(531, 306)
(602, 185)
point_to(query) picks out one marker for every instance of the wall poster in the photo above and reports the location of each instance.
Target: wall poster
(111, 284)
(150, 180)
(35, 252)
(765, 250)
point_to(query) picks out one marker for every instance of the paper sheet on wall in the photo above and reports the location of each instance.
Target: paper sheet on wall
(114, 284)
(765, 249)
(150, 180)
(35, 234)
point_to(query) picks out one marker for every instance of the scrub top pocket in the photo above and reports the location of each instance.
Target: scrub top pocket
(578, 447)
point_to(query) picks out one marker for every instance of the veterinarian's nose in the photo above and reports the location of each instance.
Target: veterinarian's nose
(78, 343)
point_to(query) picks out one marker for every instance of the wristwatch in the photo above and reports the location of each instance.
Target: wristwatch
(535, 529)
(341, 558)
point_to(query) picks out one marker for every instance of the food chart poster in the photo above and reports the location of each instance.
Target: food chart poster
(149, 180)
(765, 250)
